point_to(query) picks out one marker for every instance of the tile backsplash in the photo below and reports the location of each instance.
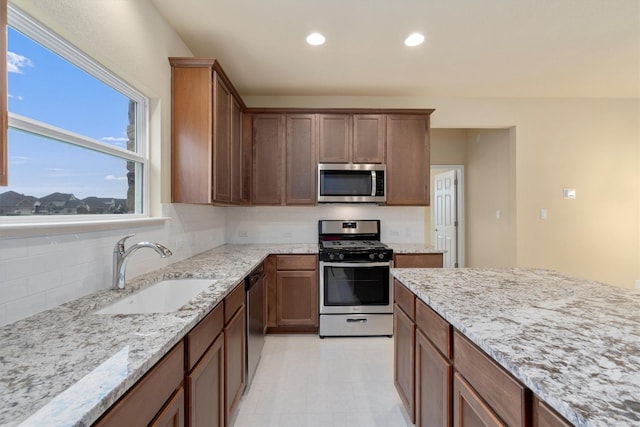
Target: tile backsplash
(38, 273)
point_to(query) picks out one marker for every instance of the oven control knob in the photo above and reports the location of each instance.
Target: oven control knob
(340, 256)
(372, 256)
(331, 256)
(380, 256)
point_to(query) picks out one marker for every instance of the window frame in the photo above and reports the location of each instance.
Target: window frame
(37, 31)
(4, 140)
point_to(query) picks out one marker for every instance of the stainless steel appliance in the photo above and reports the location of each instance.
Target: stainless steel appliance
(356, 292)
(254, 286)
(351, 183)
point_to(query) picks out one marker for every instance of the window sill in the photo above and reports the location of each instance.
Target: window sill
(37, 227)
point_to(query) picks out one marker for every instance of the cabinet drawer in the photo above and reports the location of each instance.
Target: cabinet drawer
(434, 327)
(405, 299)
(233, 302)
(296, 262)
(203, 334)
(141, 404)
(503, 393)
(417, 261)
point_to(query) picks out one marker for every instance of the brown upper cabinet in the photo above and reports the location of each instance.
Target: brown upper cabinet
(284, 159)
(3, 99)
(206, 123)
(351, 138)
(408, 159)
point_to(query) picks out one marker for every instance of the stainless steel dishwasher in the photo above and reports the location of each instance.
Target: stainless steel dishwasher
(254, 286)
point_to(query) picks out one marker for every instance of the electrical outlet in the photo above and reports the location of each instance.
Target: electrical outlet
(395, 233)
(637, 284)
(179, 245)
(543, 214)
(243, 233)
(498, 214)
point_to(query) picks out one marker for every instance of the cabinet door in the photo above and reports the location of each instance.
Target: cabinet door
(297, 298)
(403, 366)
(301, 151)
(191, 116)
(205, 385)
(237, 168)
(234, 361)
(334, 138)
(469, 410)
(434, 375)
(368, 138)
(221, 141)
(268, 159)
(544, 416)
(173, 413)
(408, 167)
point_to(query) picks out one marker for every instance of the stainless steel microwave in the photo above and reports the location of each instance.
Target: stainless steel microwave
(351, 183)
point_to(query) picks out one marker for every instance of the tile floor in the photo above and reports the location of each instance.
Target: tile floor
(305, 381)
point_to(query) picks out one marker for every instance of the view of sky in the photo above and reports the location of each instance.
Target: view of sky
(45, 87)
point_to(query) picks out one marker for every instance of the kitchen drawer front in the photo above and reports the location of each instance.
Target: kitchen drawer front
(435, 328)
(296, 262)
(417, 261)
(544, 416)
(405, 299)
(504, 394)
(203, 334)
(140, 405)
(233, 302)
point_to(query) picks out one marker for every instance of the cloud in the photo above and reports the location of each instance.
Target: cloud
(15, 62)
(18, 160)
(19, 97)
(114, 139)
(115, 178)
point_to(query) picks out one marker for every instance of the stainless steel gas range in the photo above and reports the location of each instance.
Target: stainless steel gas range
(356, 292)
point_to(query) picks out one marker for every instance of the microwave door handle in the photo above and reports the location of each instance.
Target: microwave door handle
(373, 183)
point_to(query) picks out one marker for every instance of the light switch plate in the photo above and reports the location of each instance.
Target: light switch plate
(569, 193)
(543, 214)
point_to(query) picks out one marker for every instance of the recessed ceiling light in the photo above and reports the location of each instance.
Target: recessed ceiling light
(414, 39)
(315, 39)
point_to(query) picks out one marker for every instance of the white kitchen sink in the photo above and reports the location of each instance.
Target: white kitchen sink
(163, 297)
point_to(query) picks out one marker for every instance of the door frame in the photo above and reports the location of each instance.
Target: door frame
(460, 208)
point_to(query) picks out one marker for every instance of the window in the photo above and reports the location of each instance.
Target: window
(77, 139)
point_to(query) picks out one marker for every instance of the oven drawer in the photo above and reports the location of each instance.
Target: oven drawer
(356, 324)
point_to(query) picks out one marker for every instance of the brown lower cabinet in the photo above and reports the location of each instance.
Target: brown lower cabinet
(199, 382)
(443, 379)
(292, 294)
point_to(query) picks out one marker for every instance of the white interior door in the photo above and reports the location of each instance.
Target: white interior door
(446, 225)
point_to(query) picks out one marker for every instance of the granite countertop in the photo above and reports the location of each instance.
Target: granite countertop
(67, 365)
(414, 248)
(575, 343)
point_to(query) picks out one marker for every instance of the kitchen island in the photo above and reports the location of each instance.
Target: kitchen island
(574, 343)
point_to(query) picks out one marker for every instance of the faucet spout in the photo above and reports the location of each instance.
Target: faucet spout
(121, 258)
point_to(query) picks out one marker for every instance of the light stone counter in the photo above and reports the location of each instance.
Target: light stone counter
(414, 248)
(575, 343)
(67, 365)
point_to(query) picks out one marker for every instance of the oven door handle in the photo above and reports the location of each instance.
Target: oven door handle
(356, 264)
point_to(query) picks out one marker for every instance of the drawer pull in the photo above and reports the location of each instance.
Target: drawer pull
(356, 320)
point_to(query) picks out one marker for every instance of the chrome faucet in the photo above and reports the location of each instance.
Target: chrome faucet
(121, 257)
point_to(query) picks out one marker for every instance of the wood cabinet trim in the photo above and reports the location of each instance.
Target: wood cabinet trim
(173, 413)
(211, 408)
(235, 328)
(403, 111)
(404, 370)
(545, 416)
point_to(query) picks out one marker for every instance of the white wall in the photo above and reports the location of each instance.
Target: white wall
(300, 224)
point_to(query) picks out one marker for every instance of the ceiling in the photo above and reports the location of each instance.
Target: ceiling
(490, 48)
